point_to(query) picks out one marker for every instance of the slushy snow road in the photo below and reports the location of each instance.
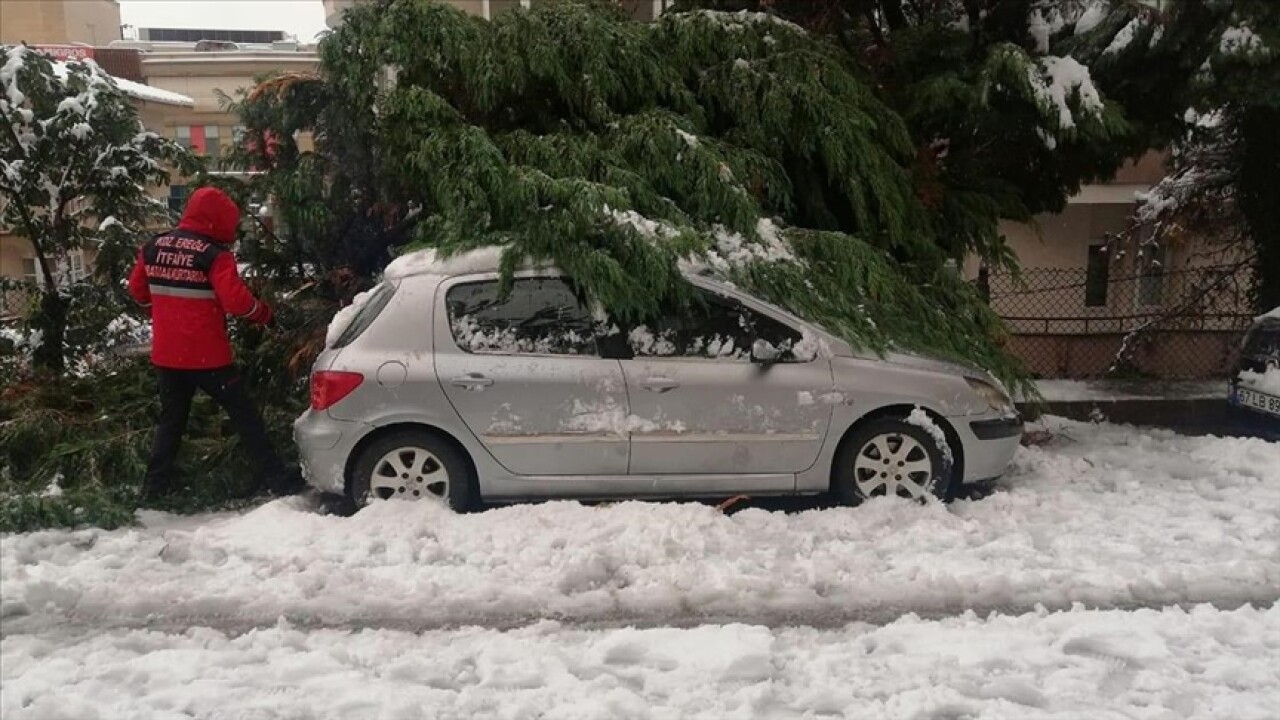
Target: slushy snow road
(1082, 665)
(840, 611)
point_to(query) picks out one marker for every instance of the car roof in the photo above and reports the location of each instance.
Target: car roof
(431, 262)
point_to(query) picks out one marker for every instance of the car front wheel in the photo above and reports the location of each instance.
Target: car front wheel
(890, 458)
(413, 464)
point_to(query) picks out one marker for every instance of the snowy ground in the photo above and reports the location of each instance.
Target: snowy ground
(1202, 663)
(1116, 390)
(778, 615)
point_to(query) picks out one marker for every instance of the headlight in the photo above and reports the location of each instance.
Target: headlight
(996, 400)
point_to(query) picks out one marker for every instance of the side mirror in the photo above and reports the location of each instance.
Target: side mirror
(765, 352)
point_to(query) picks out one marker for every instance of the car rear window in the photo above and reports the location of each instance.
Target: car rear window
(366, 314)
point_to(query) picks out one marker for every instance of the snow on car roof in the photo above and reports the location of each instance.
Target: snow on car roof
(432, 262)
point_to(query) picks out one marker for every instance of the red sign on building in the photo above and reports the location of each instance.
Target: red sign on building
(66, 52)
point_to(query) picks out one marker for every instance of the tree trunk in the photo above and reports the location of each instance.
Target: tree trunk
(1259, 198)
(894, 17)
(50, 320)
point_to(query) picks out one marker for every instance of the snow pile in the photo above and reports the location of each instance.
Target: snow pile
(733, 250)
(1264, 382)
(921, 419)
(129, 329)
(152, 94)
(1105, 515)
(736, 21)
(473, 337)
(431, 262)
(689, 139)
(1206, 121)
(1199, 663)
(1114, 390)
(1170, 194)
(1044, 22)
(1091, 18)
(342, 319)
(648, 229)
(644, 342)
(809, 347)
(1125, 37)
(1240, 40)
(1057, 80)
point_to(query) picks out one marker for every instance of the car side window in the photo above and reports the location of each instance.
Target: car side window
(539, 315)
(713, 327)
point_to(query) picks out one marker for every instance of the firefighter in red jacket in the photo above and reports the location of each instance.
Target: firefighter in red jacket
(188, 278)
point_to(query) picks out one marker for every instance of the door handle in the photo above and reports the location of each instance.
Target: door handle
(471, 381)
(659, 384)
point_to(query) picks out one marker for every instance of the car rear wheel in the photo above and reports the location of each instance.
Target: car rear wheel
(893, 458)
(413, 465)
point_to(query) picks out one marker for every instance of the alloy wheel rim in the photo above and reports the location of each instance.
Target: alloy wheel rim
(893, 465)
(409, 473)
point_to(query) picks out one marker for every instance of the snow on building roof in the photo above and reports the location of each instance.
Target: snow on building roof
(148, 93)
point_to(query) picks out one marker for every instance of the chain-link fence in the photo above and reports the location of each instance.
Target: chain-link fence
(15, 300)
(1085, 323)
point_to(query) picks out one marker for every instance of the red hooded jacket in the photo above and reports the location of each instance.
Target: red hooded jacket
(188, 278)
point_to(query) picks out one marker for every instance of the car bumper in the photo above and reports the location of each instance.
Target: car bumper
(989, 445)
(324, 444)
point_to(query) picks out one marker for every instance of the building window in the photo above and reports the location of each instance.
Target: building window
(67, 270)
(1151, 281)
(1097, 276)
(31, 272)
(177, 199)
(199, 139)
(190, 35)
(212, 144)
(71, 269)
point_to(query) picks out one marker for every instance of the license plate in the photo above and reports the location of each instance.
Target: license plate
(1258, 401)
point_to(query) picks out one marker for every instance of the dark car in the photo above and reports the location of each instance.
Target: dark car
(1255, 384)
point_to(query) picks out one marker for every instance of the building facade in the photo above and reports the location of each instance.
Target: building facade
(1090, 278)
(41, 22)
(210, 77)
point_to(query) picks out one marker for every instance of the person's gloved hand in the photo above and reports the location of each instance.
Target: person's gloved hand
(262, 315)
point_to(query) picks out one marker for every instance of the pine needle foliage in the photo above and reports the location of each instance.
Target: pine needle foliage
(620, 150)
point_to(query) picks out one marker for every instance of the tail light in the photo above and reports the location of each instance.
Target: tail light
(328, 387)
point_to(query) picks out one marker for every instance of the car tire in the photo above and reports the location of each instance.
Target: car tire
(861, 470)
(413, 464)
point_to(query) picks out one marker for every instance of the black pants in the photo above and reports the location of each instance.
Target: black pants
(177, 389)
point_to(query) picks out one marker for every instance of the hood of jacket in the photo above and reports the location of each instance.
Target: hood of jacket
(210, 212)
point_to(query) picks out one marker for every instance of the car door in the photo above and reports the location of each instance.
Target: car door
(700, 405)
(523, 372)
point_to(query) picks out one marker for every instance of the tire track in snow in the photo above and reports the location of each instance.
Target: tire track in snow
(824, 619)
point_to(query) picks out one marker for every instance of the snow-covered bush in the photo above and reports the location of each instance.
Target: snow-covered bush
(75, 163)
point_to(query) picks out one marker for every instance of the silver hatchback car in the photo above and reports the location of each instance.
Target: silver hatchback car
(436, 386)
